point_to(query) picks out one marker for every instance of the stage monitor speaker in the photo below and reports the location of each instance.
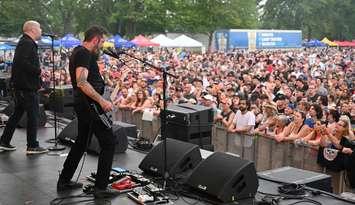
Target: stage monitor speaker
(225, 178)
(42, 120)
(181, 156)
(293, 175)
(120, 130)
(70, 132)
(121, 140)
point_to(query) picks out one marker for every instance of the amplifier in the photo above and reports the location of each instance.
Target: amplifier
(189, 114)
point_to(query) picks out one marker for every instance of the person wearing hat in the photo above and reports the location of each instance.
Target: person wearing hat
(209, 101)
(289, 109)
(268, 121)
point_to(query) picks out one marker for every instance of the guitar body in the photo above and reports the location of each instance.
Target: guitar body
(101, 116)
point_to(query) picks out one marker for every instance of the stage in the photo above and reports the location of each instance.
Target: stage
(32, 179)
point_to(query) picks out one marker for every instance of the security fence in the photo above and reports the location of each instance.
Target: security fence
(265, 152)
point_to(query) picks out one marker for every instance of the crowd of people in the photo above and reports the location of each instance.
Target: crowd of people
(276, 86)
(305, 96)
(301, 96)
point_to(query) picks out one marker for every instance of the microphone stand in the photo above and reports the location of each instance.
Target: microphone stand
(56, 147)
(162, 69)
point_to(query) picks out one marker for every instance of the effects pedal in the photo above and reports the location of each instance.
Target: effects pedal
(92, 177)
(140, 196)
(125, 183)
(119, 170)
(140, 179)
(89, 189)
(151, 188)
(116, 177)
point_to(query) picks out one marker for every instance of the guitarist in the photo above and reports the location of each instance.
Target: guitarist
(88, 86)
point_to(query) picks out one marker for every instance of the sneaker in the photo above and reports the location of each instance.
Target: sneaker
(36, 150)
(7, 147)
(105, 193)
(63, 186)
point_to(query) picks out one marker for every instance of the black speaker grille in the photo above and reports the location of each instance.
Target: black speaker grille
(180, 157)
(224, 177)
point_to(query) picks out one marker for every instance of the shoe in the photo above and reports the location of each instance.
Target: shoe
(7, 147)
(36, 150)
(105, 193)
(63, 186)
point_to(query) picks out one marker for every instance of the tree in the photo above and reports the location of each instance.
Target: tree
(206, 16)
(331, 18)
(54, 16)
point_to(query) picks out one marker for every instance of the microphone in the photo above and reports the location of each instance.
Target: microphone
(112, 53)
(49, 34)
(118, 53)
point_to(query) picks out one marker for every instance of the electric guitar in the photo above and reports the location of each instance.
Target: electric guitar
(101, 115)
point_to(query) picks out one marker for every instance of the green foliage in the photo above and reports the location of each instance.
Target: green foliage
(316, 18)
(128, 17)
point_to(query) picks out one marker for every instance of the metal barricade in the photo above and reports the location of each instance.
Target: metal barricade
(117, 115)
(310, 159)
(296, 156)
(150, 129)
(338, 183)
(125, 115)
(219, 138)
(265, 152)
(242, 145)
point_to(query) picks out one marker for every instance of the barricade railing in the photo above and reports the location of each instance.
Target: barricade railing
(269, 154)
(265, 152)
(147, 129)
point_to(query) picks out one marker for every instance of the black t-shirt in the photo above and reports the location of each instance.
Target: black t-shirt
(81, 57)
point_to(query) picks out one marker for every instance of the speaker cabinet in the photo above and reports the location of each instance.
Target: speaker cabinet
(121, 140)
(62, 101)
(181, 157)
(224, 177)
(42, 117)
(189, 123)
(120, 130)
(70, 132)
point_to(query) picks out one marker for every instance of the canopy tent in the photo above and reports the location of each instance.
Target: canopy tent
(328, 42)
(143, 41)
(69, 41)
(108, 44)
(185, 41)
(47, 42)
(164, 41)
(5, 47)
(120, 42)
(345, 43)
(314, 43)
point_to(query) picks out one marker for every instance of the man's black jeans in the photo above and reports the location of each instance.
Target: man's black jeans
(24, 101)
(86, 127)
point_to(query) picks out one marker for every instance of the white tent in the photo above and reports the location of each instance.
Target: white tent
(164, 41)
(185, 41)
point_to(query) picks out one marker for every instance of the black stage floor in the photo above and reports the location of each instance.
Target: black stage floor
(31, 180)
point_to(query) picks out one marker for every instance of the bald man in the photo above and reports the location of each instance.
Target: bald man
(25, 81)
